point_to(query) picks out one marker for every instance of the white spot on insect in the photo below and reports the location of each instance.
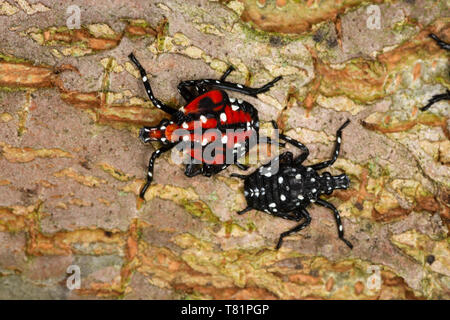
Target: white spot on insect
(146, 139)
(185, 125)
(232, 100)
(300, 197)
(312, 200)
(339, 140)
(203, 119)
(340, 228)
(186, 138)
(328, 178)
(314, 190)
(239, 86)
(150, 174)
(329, 188)
(240, 101)
(163, 139)
(272, 205)
(182, 109)
(274, 210)
(268, 174)
(313, 180)
(283, 197)
(163, 128)
(280, 180)
(223, 117)
(309, 169)
(146, 130)
(144, 78)
(298, 176)
(234, 107)
(204, 142)
(245, 193)
(224, 139)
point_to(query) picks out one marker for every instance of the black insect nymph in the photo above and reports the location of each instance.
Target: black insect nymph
(285, 188)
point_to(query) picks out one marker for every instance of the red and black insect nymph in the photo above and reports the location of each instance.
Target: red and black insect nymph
(442, 96)
(284, 187)
(208, 107)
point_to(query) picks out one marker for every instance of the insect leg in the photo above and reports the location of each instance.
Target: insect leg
(221, 84)
(301, 226)
(441, 43)
(151, 164)
(226, 73)
(244, 211)
(183, 86)
(148, 88)
(436, 98)
(337, 147)
(193, 170)
(295, 143)
(277, 143)
(328, 205)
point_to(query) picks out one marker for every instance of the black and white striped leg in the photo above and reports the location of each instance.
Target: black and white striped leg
(337, 147)
(244, 211)
(221, 84)
(185, 91)
(337, 217)
(298, 228)
(441, 43)
(148, 88)
(305, 151)
(436, 98)
(151, 164)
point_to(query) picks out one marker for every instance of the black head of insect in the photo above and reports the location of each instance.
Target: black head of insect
(209, 106)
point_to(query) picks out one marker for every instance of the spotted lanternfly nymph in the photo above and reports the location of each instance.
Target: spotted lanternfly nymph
(208, 107)
(284, 187)
(442, 96)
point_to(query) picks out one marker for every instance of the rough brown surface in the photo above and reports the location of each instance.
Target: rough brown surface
(71, 165)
